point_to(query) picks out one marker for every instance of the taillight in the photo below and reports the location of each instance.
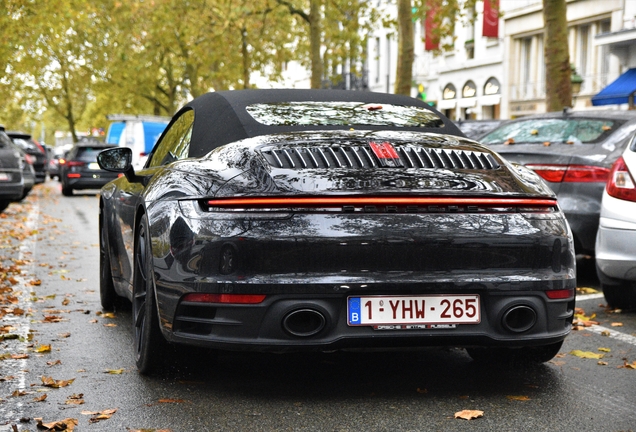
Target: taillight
(29, 159)
(61, 161)
(560, 294)
(277, 202)
(75, 163)
(621, 183)
(571, 173)
(224, 298)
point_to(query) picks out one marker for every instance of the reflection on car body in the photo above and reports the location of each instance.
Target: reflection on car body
(290, 234)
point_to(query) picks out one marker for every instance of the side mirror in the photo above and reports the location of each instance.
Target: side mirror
(118, 159)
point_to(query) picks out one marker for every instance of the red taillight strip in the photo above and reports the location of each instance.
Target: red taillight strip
(266, 202)
(224, 298)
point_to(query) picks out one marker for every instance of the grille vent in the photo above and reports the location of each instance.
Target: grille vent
(361, 156)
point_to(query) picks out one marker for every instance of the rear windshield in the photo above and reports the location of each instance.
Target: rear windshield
(88, 154)
(571, 131)
(342, 114)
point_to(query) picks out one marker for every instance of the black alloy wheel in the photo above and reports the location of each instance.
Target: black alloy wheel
(150, 346)
(107, 294)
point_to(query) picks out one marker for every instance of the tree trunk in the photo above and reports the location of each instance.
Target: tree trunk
(315, 42)
(558, 87)
(246, 61)
(406, 47)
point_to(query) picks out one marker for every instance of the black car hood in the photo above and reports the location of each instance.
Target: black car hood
(428, 163)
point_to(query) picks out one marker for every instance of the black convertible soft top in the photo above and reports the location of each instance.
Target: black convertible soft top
(222, 118)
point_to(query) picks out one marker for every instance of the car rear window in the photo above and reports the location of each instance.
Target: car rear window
(343, 114)
(570, 131)
(89, 154)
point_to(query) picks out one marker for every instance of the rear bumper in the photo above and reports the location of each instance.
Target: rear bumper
(261, 327)
(615, 253)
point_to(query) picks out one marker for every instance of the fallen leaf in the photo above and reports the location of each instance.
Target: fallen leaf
(114, 371)
(586, 354)
(19, 356)
(108, 315)
(50, 382)
(35, 282)
(518, 398)
(41, 398)
(110, 325)
(469, 414)
(586, 290)
(604, 349)
(602, 363)
(617, 324)
(101, 415)
(67, 424)
(18, 393)
(65, 302)
(171, 401)
(628, 365)
(53, 363)
(64, 335)
(43, 348)
(605, 333)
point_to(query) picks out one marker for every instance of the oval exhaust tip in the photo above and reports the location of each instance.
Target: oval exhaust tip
(304, 322)
(519, 319)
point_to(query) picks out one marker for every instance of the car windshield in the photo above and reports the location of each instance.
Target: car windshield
(343, 114)
(570, 130)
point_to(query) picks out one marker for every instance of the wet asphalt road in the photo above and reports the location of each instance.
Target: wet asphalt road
(53, 240)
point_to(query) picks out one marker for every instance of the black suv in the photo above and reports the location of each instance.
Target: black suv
(30, 146)
(79, 169)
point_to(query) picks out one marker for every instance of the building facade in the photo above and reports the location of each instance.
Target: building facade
(484, 77)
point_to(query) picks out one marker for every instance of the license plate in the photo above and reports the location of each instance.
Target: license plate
(93, 166)
(4, 177)
(429, 309)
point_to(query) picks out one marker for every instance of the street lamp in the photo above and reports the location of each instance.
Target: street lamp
(576, 80)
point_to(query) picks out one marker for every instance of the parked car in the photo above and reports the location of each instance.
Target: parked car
(79, 169)
(28, 172)
(11, 166)
(30, 146)
(475, 129)
(282, 220)
(573, 152)
(57, 153)
(616, 238)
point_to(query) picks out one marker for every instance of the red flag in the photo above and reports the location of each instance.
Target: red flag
(431, 41)
(491, 18)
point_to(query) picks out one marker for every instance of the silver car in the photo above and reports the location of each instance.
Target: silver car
(616, 237)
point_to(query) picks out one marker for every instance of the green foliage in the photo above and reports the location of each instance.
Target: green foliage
(70, 62)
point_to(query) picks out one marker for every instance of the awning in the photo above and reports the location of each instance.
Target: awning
(617, 92)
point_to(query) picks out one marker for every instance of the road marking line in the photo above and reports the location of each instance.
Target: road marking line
(585, 297)
(623, 337)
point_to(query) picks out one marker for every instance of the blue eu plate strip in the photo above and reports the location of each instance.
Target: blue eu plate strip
(354, 310)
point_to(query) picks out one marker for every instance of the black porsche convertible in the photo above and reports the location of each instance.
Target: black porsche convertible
(281, 220)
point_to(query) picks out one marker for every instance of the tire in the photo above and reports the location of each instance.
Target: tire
(513, 356)
(107, 295)
(24, 194)
(67, 191)
(149, 343)
(621, 296)
(4, 204)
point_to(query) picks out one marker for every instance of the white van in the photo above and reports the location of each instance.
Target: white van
(139, 132)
